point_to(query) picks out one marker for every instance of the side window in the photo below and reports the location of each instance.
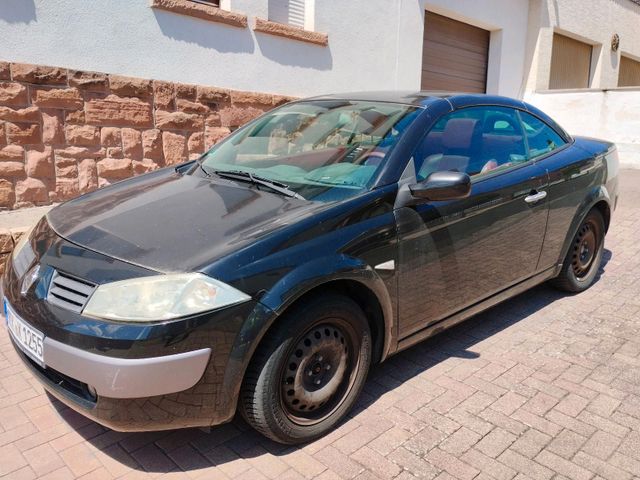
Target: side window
(475, 140)
(541, 137)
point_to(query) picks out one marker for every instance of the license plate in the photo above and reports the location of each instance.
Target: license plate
(30, 340)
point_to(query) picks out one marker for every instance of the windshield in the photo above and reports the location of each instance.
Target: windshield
(323, 150)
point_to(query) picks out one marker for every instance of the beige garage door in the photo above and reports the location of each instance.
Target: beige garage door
(629, 74)
(570, 63)
(454, 55)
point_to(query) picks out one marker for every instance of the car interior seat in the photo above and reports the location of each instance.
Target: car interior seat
(461, 140)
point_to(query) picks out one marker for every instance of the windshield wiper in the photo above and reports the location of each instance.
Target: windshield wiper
(257, 180)
(204, 170)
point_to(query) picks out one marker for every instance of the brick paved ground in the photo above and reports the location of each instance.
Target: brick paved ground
(544, 386)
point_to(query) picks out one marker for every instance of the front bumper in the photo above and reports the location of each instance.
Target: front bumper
(126, 376)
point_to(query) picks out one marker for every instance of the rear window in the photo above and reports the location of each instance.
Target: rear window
(541, 138)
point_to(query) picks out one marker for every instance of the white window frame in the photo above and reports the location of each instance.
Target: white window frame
(282, 13)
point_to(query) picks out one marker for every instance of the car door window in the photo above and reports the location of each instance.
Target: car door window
(475, 140)
(541, 138)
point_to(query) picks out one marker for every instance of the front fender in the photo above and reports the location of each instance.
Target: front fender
(282, 295)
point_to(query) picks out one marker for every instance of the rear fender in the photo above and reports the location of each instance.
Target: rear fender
(596, 194)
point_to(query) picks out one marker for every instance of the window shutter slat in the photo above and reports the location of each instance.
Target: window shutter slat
(291, 12)
(296, 13)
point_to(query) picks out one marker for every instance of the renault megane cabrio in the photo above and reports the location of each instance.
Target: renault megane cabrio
(323, 237)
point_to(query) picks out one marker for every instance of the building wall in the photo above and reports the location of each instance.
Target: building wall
(603, 110)
(67, 132)
(371, 48)
(365, 52)
(612, 115)
(591, 21)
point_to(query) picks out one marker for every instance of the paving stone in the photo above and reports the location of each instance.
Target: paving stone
(461, 441)
(566, 443)
(600, 467)
(496, 442)
(562, 466)
(601, 445)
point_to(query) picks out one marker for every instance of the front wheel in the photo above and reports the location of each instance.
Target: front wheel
(583, 259)
(308, 371)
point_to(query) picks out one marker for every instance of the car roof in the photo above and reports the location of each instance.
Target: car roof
(441, 101)
(424, 98)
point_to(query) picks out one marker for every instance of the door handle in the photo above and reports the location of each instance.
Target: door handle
(535, 197)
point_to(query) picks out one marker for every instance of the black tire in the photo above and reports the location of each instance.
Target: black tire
(308, 371)
(584, 257)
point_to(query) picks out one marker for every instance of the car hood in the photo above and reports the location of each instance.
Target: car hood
(171, 222)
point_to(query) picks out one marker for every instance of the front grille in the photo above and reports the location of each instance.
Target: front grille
(69, 292)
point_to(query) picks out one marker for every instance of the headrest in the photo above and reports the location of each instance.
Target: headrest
(459, 133)
(371, 116)
(490, 121)
(454, 163)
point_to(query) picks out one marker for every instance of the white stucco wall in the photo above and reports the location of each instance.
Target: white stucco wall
(591, 21)
(367, 49)
(373, 44)
(612, 115)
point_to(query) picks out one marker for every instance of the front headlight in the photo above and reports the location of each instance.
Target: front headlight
(22, 254)
(161, 297)
(24, 239)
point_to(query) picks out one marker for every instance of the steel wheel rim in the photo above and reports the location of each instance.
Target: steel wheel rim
(585, 249)
(319, 373)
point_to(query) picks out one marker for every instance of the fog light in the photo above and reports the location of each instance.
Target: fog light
(92, 392)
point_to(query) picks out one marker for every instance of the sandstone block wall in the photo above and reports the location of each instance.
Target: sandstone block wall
(66, 132)
(8, 239)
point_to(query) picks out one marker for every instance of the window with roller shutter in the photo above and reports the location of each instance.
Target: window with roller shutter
(629, 73)
(570, 63)
(215, 3)
(290, 12)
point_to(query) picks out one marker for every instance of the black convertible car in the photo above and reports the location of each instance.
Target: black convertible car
(323, 237)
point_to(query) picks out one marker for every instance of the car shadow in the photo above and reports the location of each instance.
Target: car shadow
(203, 448)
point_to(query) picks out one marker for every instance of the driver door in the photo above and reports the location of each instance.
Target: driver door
(453, 254)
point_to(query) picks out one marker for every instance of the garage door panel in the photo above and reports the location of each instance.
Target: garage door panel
(444, 51)
(570, 63)
(471, 44)
(470, 66)
(454, 55)
(475, 46)
(449, 31)
(629, 73)
(448, 83)
(459, 73)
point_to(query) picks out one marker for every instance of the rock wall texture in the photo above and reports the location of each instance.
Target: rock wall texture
(8, 239)
(66, 132)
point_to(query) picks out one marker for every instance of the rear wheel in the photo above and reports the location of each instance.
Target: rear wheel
(583, 259)
(308, 371)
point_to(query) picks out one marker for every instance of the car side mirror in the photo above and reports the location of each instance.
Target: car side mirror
(442, 186)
